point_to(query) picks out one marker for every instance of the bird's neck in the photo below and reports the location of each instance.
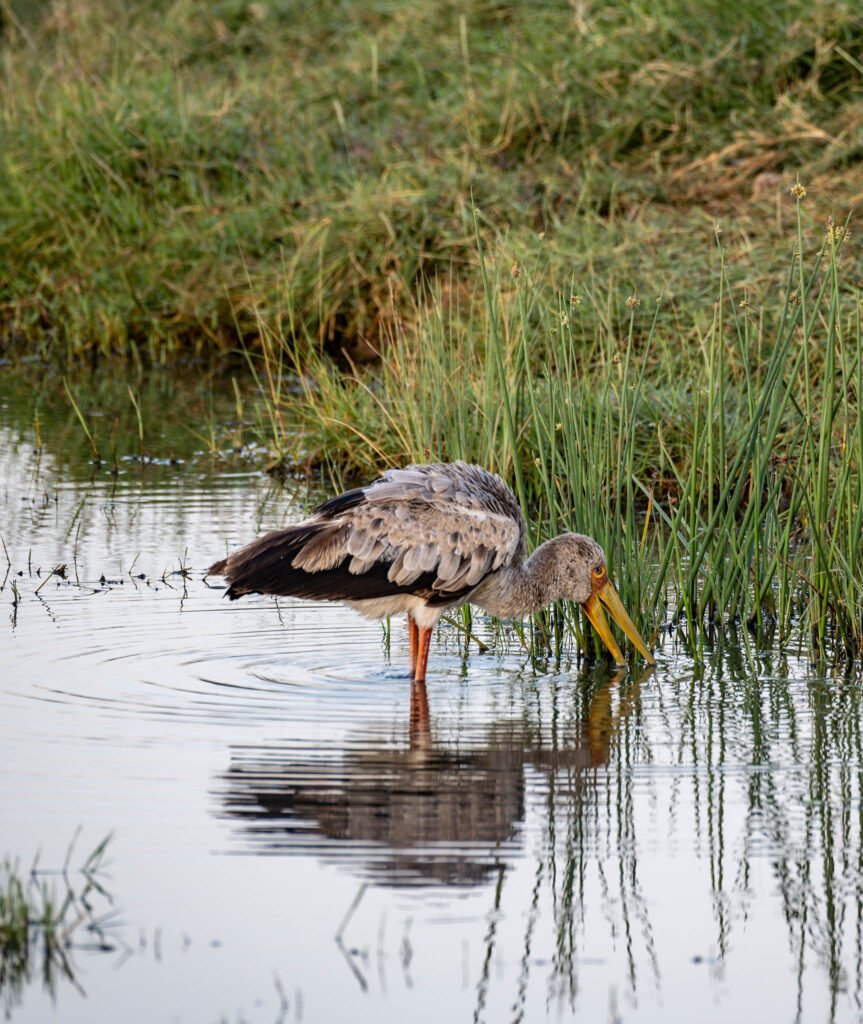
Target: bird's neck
(523, 588)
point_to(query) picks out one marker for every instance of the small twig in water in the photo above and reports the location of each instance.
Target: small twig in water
(58, 570)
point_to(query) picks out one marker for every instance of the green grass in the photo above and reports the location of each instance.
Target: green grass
(722, 475)
(168, 169)
(569, 234)
(40, 922)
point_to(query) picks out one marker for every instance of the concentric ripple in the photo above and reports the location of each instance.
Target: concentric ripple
(267, 763)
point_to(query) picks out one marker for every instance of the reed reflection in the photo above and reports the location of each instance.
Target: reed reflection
(781, 742)
(751, 765)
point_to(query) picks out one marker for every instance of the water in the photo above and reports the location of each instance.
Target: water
(298, 834)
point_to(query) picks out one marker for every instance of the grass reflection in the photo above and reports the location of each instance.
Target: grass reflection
(763, 763)
(749, 766)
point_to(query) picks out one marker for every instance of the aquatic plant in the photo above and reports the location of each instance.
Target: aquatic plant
(39, 922)
(723, 477)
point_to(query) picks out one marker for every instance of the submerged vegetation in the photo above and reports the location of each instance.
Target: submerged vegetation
(42, 923)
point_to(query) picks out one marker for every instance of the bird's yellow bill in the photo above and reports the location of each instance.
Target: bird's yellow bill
(607, 595)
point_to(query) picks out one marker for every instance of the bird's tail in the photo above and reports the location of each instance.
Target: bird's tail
(265, 565)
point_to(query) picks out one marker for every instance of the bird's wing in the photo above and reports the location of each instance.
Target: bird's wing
(442, 527)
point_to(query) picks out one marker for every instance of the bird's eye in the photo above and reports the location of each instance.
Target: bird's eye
(598, 570)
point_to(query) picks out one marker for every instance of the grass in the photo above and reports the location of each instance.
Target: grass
(722, 474)
(168, 171)
(570, 234)
(39, 922)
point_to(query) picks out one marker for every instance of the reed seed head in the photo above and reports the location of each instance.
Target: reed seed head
(835, 233)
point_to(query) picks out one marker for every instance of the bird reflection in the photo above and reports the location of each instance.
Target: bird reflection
(420, 814)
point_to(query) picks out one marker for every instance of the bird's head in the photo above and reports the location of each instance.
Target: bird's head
(583, 578)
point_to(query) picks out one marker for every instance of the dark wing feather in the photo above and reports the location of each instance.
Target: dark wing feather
(341, 503)
(264, 566)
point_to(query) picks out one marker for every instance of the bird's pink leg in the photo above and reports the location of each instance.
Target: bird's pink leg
(413, 633)
(422, 655)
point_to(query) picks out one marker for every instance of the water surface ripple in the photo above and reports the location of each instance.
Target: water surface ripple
(521, 840)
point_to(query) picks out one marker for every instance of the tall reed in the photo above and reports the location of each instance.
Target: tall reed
(723, 479)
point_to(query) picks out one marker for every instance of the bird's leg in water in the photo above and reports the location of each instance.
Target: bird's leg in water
(422, 654)
(413, 632)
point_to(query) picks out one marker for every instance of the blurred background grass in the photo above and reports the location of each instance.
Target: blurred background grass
(171, 172)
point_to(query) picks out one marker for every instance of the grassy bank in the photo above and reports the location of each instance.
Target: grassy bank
(167, 169)
(571, 233)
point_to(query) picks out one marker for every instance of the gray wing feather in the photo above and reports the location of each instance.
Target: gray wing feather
(325, 551)
(456, 520)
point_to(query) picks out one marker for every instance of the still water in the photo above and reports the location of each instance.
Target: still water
(298, 834)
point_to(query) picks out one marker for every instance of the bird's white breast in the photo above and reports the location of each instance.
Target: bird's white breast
(399, 604)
